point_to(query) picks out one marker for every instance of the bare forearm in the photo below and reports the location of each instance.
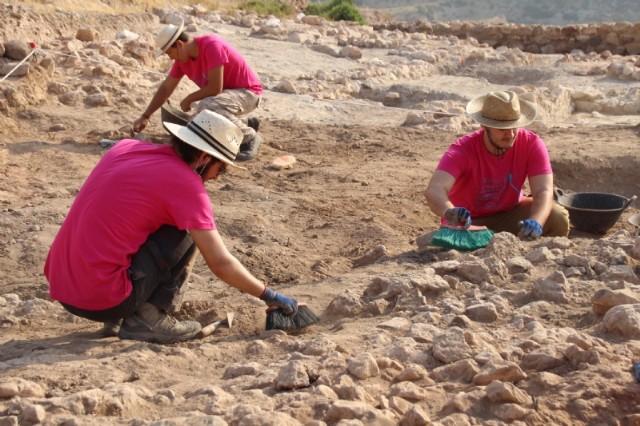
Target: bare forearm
(157, 101)
(438, 201)
(200, 94)
(542, 193)
(438, 192)
(236, 275)
(541, 207)
(223, 264)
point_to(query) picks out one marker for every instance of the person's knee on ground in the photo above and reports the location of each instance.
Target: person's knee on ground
(507, 221)
(557, 224)
(500, 222)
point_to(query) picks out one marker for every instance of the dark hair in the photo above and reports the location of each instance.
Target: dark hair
(183, 37)
(189, 154)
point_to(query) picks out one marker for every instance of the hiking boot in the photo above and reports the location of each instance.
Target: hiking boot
(110, 329)
(254, 123)
(249, 149)
(152, 325)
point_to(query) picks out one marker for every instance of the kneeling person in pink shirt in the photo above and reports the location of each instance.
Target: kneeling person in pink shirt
(125, 249)
(480, 177)
(227, 84)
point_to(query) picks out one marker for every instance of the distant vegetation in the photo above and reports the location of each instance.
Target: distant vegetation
(268, 7)
(336, 10)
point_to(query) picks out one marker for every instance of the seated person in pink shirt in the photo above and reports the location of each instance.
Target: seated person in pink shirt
(124, 252)
(227, 85)
(481, 176)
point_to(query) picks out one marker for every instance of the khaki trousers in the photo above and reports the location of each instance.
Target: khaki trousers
(557, 224)
(233, 104)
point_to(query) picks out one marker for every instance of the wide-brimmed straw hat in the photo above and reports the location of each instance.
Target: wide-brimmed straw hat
(211, 133)
(167, 36)
(502, 110)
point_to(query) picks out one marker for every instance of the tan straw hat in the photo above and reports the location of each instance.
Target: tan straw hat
(211, 133)
(502, 110)
(165, 38)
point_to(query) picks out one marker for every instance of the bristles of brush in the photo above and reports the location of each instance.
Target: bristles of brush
(461, 239)
(278, 320)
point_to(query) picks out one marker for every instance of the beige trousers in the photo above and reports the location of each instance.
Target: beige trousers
(233, 104)
(557, 224)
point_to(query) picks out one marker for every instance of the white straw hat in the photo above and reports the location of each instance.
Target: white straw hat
(211, 133)
(502, 110)
(165, 38)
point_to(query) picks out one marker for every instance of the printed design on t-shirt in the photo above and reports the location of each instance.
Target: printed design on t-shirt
(490, 193)
(510, 180)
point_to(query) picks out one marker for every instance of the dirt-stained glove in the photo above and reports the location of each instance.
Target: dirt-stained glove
(273, 298)
(457, 216)
(530, 229)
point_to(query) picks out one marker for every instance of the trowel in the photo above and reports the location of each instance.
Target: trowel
(209, 329)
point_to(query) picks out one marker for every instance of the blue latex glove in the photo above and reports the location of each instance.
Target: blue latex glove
(273, 298)
(458, 215)
(530, 229)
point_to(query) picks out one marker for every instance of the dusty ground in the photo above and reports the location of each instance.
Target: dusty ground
(359, 183)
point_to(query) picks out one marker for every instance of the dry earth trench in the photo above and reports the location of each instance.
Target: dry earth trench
(540, 332)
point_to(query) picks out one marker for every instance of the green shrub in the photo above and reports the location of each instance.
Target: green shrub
(268, 7)
(336, 10)
(313, 9)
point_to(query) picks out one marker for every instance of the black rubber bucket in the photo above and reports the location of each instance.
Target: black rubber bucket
(170, 114)
(594, 212)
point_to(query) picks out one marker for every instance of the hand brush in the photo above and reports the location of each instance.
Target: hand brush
(277, 319)
(456, 237)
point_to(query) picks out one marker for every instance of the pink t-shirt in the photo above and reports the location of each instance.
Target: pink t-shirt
(136, 188)
(487, 184)
(214, 51)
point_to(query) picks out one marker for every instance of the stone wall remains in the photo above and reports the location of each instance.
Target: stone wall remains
(619, 38)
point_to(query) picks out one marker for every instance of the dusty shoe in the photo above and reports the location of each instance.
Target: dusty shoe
(254, 123)
(152, 325)
(110, 329)
(249, 149)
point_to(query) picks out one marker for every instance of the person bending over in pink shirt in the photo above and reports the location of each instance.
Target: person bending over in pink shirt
(227, 85)
(481, 175)
(124, 252)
